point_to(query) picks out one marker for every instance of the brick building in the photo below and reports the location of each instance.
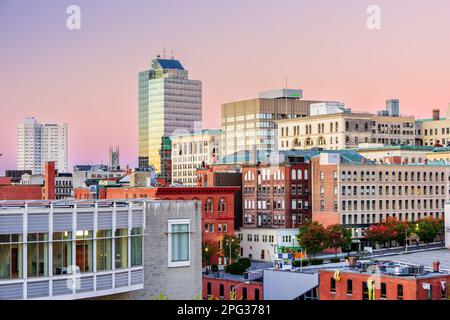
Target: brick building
(224, 175)
(278, 195)
(221, 288)
(10, 191)
(414, 283)
(217, 207)
(350, 190)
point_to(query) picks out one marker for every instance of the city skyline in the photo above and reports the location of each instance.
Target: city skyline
(88, 77)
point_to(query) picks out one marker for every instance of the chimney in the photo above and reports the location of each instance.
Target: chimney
(436, 114)
(436, 265)
(352, 262)
(49, 187)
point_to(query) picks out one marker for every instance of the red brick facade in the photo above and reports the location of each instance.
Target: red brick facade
(217, 207)
(9, 191)
(276, 197)
(217, 288)
(324, 193)
(412, 287)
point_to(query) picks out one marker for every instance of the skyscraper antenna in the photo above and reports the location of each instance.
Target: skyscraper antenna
(164, 53)
(172, 56)
(286, 102)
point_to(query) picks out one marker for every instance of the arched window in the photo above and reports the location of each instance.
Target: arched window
(299, 174)
(294, 174)
(305, 175)
(308, 142)
(209, 205)
(222, 206)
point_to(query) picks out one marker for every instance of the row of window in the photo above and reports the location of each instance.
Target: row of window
(393, 176)
(399, 290)
(38, 251)
(392, 204)
(372, 218)
(392, 190)
(221, 227)
(244, 295)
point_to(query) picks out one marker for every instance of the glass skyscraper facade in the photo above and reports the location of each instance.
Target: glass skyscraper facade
(169, 103)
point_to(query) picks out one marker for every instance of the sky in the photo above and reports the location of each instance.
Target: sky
(88, 77)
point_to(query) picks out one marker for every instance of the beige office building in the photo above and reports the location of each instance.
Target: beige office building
(251, 124)
(345, 130)
(356, 194)
(435, 131)
(193, 151)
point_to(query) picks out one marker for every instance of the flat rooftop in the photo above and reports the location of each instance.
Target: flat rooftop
(424, 258)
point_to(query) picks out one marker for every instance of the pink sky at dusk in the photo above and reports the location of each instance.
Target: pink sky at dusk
(88, 78)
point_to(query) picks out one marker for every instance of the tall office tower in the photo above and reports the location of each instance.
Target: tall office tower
(38, 143)
(251, 124)
(393, 107)
(169, 103)
(114, 159)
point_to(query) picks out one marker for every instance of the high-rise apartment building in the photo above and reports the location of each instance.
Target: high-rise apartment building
(169, 102)
(250, 124)
(38, 143)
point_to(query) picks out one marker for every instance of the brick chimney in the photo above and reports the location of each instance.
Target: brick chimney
(436, 265)
(436, 114)
(49, 187)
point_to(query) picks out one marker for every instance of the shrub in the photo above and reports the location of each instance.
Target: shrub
(235, 268)
(335, 260)
(296, 263)
(315, 262)
(214, 268)
(245, 262)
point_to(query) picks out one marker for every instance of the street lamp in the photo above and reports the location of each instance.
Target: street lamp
(233, 290)
(230, 243)
(206, 260)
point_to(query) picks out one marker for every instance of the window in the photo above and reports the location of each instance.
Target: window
(179, 243)
(257, 294)
(209, 289)
(208, 205)
(383, 290)
(222, 207)
(244, 293)
(62, 252)
(221, 291)
(121, 248)
(332, 285)
(365, 291)
(349, 286)
(84, 251)
(136, 247)
(104, 250)
(10, 256)
(399, 292)
(37, 253)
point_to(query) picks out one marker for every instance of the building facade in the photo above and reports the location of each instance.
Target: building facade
(78, 250)
(358, 194)
(251, 124)
(193, 151)
(277, 195)
(345, 130)
(264, 244)
(169, 102)
(38, 143)
(217, 208)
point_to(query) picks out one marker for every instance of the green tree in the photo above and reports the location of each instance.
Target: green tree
(428, 229)
(313, 238)
(207, 251)
(231, 246)
(338, 238)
